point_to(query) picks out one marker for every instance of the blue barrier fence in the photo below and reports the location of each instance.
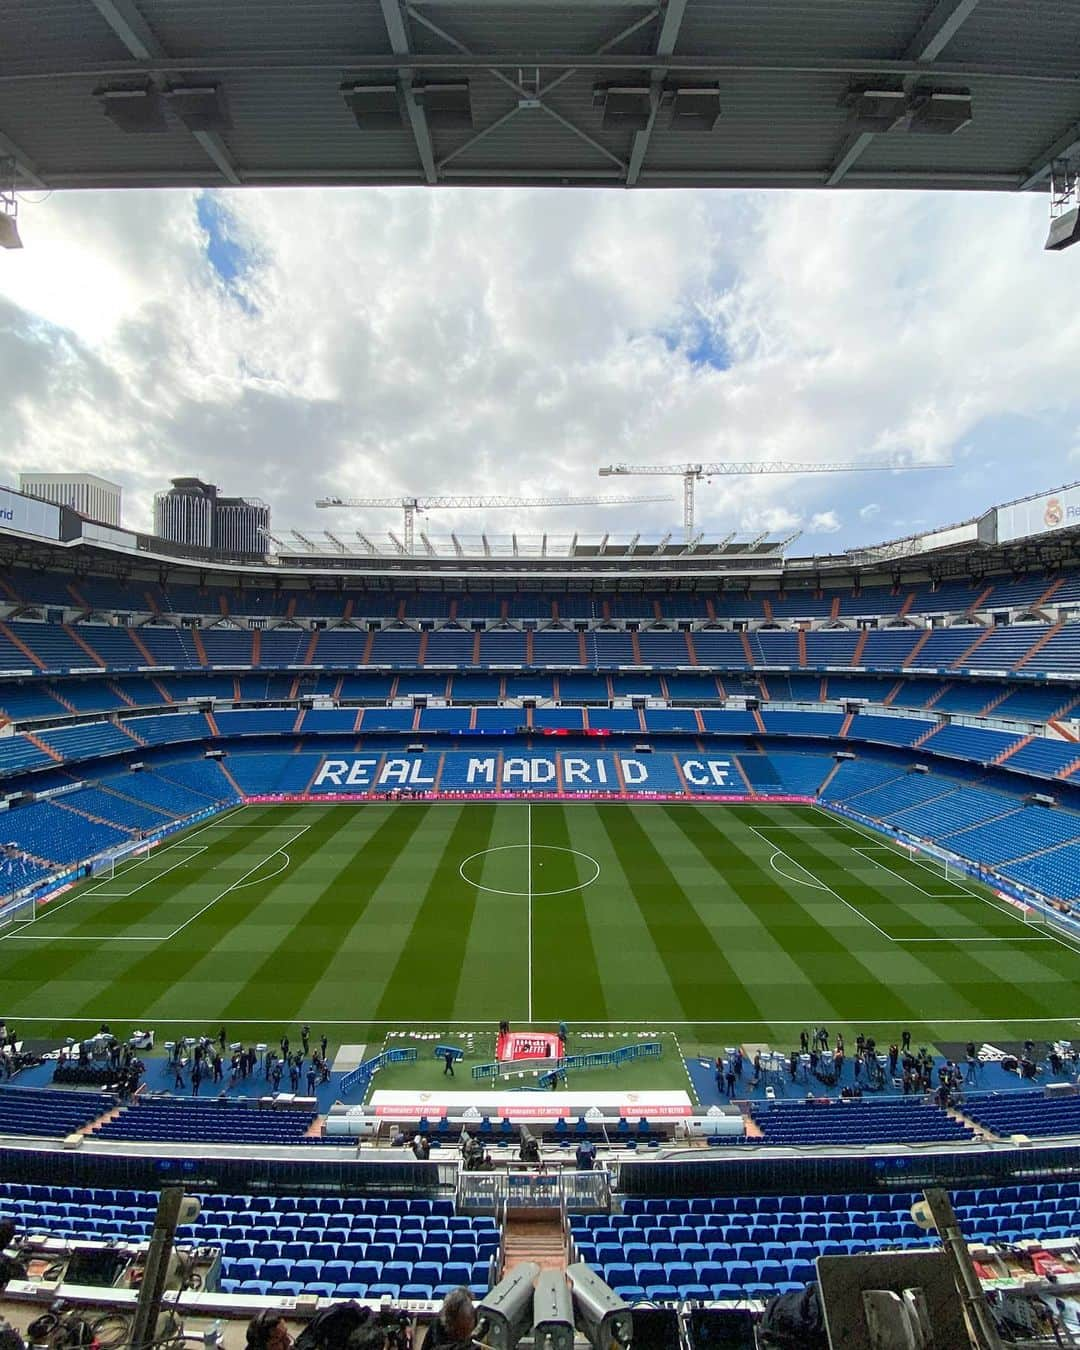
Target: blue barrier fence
(455, 1052)
(362, 1075)
(599, 1059)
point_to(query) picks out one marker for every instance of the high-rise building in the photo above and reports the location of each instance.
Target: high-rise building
(192, 512)
(93, 497)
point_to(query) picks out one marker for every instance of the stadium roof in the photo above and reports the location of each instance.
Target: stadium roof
(608, 92)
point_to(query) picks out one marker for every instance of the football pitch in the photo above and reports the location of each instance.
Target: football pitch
(719, 922)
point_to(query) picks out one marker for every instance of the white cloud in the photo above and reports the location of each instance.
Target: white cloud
(472, 341)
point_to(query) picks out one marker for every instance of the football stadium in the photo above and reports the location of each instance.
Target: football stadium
(584, 939)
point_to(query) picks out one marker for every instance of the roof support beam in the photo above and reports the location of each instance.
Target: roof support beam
(942, 24)
(25, 168)
(701, 66)
(665, 45)
(940, 27)
(399, 43)
(1066, 145)
(139, 38)
(533, 97)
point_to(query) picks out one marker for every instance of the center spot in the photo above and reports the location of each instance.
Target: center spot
(505, 870)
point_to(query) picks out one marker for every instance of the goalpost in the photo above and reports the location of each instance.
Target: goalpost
(934, 860)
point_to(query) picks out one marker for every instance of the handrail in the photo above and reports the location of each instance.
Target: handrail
(597, 1059)
(362, 1075)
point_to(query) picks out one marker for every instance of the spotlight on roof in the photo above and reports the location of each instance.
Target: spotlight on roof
(448, 107)
(625, 107)
(881, 108)
(693, 107)
(876, 110)
(201, 107)
(1064, 206)
(9, 232)
(938, 112)
(376, 107)
(9, 205)
(1064, 231)
(133, 109)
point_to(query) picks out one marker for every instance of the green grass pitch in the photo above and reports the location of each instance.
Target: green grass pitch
(716, 922)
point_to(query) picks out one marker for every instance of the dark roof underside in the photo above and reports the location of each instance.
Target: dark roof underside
(782, 70)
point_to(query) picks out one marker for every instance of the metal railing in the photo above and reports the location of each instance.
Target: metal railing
(598, 1059)
(571, 1192)
(362, 1075)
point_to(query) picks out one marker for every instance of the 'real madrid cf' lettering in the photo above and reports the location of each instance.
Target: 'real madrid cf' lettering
(405, 773)
(559, 770)
(706, 773)
(529, 772)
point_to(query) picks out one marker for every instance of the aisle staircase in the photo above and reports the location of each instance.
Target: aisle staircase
(534, 1235)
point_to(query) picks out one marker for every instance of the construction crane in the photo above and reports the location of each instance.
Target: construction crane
(411, 506)
(692, 473)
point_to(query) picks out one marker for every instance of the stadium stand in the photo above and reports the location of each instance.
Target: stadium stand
(50, 1112)
(856, 1121)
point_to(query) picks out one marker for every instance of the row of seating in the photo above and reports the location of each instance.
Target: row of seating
(755, 1246)
(856, 1122)
(49, 1111)
(287, 1245)
(808, 601)
(34, 699)
(1034, 647)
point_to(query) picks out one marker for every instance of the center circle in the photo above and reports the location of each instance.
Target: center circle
(556, 859)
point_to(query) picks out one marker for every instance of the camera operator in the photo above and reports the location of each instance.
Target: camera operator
(456, 1323)
(267, 1331)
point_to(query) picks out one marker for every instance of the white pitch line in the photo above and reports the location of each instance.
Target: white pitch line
(930, 895)
(528, 885)
(189, 851)
(271, 875)
(448, 1021)
(814, 882)
(82, 893)
(167, 937)
(239, 881)
(824, 885)
(867, 832)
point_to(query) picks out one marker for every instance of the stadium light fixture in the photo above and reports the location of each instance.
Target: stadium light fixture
(9, 206)
(376, 107)
(133, 108)
(201, 107)
(625, 107)
(881, 108)
(1064, 207)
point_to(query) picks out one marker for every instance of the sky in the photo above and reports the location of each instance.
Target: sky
(291, 344)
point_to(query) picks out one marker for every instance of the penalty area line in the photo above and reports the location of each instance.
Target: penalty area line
(821, 884)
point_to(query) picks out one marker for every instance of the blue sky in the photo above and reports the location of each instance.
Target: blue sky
(291, 344)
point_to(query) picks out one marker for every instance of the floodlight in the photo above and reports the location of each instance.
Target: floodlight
(505, 1313)
(693, 107)
(601, 1315)
(447, 107)
(1064, 230)
(9, 232)
(938, 112)
(376, 107)
(201, 107)
(626, 107)
(876, 110)
(134, 109)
